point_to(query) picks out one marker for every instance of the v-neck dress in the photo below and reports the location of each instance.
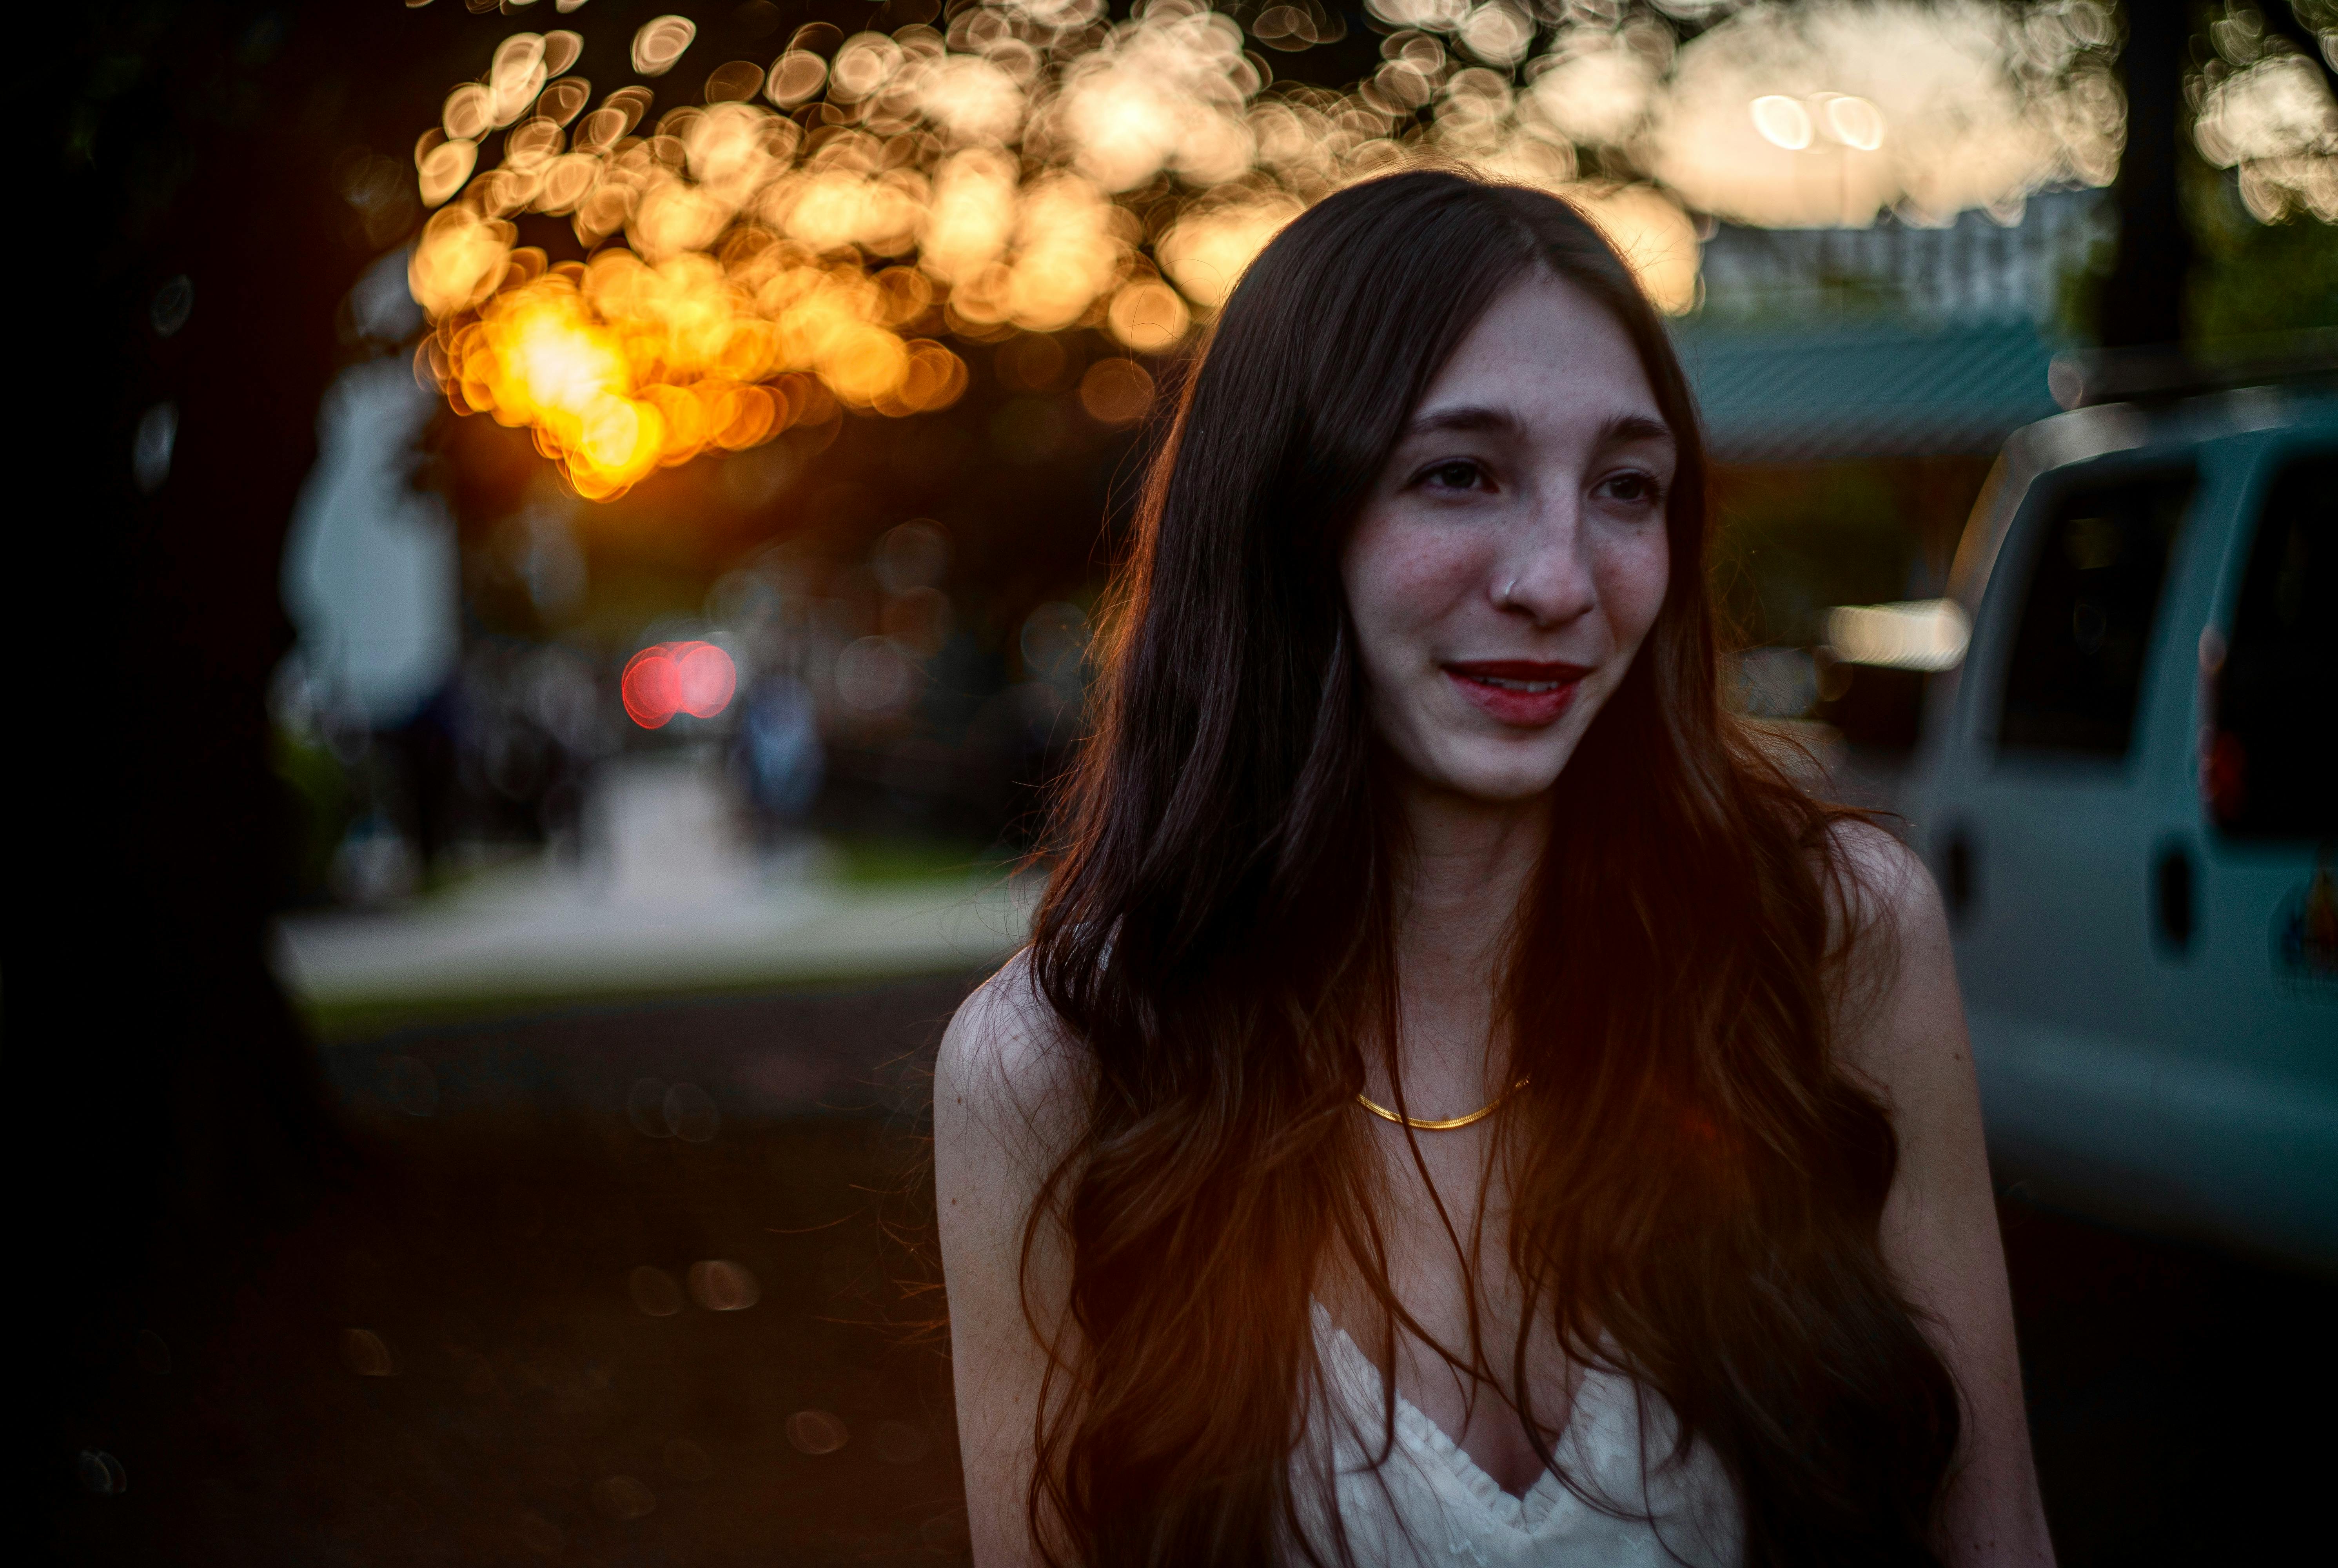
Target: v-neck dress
(1428, 1502)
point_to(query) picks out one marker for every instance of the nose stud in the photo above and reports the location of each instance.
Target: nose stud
(1502, 600)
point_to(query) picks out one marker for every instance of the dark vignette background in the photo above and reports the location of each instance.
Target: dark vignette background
(178, 1155)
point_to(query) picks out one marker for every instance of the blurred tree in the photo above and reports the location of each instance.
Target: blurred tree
(2142, 300)
(2204, 270)
(2256, 282)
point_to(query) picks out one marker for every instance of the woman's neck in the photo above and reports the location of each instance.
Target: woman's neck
(1463, 882)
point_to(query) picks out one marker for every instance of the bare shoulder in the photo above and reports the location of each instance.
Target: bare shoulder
(1010, 1096)
(1898, 1016)
(1011, 1090)
(1010, 1081)
(1900, 1025)
(1884, 886)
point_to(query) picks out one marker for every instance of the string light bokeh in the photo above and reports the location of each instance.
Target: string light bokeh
(793, 235)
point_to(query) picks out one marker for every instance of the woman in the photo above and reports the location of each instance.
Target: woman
(1461, 1102)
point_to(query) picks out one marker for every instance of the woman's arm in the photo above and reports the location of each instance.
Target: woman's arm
(1008, 1096)
(1903, 1028)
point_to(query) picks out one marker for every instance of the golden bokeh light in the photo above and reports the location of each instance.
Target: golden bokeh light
(1206, 249)
(1147, 315)
(1783, 121)
(1653, 237)
(1832, 112)
(2271, 117)
(1116, 391)
(817, 1431)
(753, 269)
(659, 44)
(364, 1352)
(561, 49)
(811, 232)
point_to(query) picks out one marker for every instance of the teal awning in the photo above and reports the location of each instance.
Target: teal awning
(1788, 394)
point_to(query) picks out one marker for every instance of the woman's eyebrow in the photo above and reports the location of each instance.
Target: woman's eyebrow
(1465, 416)
(1616, 430)
(1622, 429)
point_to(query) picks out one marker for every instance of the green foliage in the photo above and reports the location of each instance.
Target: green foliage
(891, 857)
(1791, 542)
(323, 804)
(2258, 280)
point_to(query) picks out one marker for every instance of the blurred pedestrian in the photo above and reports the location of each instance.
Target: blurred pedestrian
(777, 754)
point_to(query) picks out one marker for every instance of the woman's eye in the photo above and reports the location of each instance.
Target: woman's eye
(1633, 487)
(1459, 475)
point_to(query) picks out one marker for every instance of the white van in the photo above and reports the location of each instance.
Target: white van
(2129, 796)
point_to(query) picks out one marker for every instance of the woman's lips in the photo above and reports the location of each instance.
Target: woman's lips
(1525, 694)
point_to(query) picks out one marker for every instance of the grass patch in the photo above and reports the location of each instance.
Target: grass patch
(887, 857)
(335, 1024)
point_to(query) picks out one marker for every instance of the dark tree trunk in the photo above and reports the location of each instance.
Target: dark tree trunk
(164, 1084)
(166, 1111)
(2142, 300)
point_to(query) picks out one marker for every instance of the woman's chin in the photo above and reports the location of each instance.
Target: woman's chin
(1502, 778)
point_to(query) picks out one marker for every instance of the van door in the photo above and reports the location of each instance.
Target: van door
(2045, 827)
(2257, 976)
(2140, 1052)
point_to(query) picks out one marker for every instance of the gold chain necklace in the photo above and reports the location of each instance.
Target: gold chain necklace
(1446, 1124)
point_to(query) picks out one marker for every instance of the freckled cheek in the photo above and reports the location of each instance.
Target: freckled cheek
(1402, 588)
(1633, 575)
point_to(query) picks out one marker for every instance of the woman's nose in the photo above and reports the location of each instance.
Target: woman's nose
(1548, 579)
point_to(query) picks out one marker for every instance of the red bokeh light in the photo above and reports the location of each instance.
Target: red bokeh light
(708, 678)
(694, 677)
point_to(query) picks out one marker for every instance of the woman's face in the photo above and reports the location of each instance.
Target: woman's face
(1513, 553)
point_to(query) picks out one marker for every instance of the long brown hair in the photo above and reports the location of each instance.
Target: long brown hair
(1697, 1187)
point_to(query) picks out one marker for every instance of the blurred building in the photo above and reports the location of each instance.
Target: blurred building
(1816, 345)
(1856, 384)
(2013, 264)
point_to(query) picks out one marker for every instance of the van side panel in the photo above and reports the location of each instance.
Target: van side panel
(2139, 1057)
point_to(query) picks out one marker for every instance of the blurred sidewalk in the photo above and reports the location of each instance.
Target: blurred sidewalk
(666, 897)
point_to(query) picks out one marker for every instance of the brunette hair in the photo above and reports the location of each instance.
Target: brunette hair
(1697, 1186)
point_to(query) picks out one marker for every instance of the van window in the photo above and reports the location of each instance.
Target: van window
(2086, 612)
(2272, 772)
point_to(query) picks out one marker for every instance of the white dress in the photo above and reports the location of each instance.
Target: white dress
(1430, 1504)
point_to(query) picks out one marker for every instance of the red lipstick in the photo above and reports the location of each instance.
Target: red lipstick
(1524, 693)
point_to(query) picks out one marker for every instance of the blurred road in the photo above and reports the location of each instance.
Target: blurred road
(664, 896)
(542, 929)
